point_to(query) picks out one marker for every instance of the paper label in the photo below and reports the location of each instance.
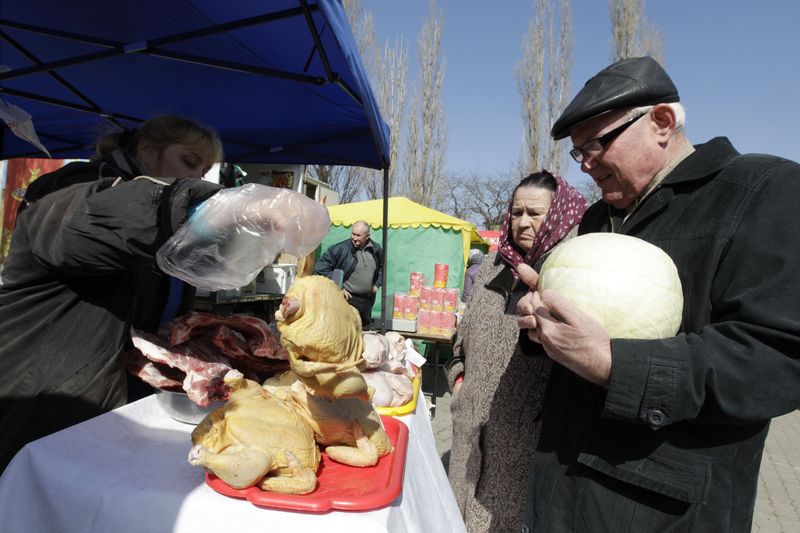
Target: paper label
(412, 355)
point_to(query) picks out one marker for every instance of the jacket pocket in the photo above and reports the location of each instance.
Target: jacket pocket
(666, 472)
(655, 493)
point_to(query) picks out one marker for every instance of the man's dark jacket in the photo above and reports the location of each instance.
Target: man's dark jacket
(80, 272)
(342, 255)
(675, 442)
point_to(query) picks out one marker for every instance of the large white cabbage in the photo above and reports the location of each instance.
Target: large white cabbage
(631, 286)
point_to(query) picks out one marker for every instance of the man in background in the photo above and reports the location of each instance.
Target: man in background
(360, 259)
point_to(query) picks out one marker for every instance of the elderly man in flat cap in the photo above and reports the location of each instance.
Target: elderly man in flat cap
(667, 435)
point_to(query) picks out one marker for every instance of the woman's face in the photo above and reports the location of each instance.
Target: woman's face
(176, 161)
(528, 210)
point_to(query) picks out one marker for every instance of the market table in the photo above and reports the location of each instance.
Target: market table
(126, 471)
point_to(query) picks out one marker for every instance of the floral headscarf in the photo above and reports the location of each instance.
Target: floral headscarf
(565, 212)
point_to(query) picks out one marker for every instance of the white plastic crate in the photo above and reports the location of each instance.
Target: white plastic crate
(275, 279)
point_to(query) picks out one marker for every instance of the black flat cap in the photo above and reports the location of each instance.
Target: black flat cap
(633, 82)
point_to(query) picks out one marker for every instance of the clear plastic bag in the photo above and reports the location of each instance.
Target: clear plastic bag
(237, 232)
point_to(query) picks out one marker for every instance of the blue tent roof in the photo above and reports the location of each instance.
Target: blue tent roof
(280, 79)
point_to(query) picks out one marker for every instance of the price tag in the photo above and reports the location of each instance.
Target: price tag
(413, 355)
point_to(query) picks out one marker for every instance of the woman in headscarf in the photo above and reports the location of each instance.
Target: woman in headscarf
(497, 391)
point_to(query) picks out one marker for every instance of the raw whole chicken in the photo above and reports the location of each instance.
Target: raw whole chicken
(349, 428)
(397, 345)
(376, 350)
(269, 435)
(391, 390)
(323, 336)
(386, 371)
(257, 439)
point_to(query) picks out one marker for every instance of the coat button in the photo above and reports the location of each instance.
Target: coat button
(526, 529)
(655, 417)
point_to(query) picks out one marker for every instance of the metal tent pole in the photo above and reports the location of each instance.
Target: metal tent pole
(385, 234)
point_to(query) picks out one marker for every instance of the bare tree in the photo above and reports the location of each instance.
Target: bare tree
(652, 42)
(348, 181)
(393, 99)
(363, 26)
(543, 82)
(387, 73)
(558, 84)
(530, 79)
(451, 201)
(365, 180)
(590, 191)
(344, 180)
(392, 84)
(632, 34)
(482, 200)
(427, 131)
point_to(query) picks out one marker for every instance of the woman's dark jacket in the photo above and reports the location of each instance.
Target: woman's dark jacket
(80, 272)
(675, 442)
(342, 255)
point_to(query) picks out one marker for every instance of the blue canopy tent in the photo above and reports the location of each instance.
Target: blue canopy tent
(281, 80)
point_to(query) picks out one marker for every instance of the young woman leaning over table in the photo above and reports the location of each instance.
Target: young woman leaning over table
(81, 271)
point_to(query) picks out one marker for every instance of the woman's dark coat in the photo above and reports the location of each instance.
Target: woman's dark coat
(80, 272)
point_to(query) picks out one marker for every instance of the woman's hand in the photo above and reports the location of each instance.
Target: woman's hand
(525, 308)
(568, 335)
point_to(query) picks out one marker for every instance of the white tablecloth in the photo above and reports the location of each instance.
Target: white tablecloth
(126, 471)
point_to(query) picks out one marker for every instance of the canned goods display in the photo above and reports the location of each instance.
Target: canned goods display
(424, 319)
(440, 273)
(446, 324)
(410, 307)
(415, 282)
(450, 302)
(398, 305)
(425, 297)
(437, 300)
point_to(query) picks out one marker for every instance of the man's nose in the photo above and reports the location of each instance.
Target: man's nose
(588, 163)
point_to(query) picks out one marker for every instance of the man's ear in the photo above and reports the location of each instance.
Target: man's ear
(664, 119)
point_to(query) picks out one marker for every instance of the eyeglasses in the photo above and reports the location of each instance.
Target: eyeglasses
(598, 144)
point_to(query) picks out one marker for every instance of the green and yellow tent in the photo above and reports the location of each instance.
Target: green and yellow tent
(419, 237)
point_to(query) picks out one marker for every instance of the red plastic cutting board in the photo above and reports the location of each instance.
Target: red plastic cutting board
(339, 486)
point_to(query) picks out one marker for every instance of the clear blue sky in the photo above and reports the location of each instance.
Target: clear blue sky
(736, 64)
